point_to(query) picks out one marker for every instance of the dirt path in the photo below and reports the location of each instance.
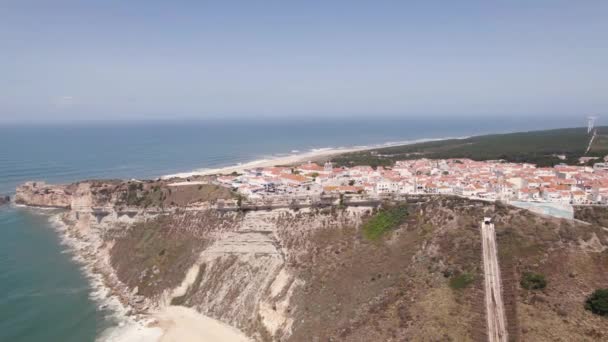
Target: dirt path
(495, 310)
(591, 141)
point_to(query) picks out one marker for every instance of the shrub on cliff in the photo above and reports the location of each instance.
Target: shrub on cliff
(383, 221)
(597, 302)
(461, 281)
(533, 281)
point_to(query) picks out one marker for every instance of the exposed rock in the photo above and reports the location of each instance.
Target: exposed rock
(4, 200)
(40, 194)
(129, 196)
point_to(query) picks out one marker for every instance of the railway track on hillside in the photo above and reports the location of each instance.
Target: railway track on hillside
(495, 309)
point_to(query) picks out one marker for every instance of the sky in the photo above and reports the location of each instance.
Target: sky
(132, 60)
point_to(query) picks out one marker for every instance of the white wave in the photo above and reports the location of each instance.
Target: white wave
(123, 326)
(321, 149)
(131, 332)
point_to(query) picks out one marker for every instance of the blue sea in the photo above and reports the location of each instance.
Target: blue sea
(45, 296)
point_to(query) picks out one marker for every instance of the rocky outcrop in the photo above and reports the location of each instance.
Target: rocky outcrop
(4, 200)
(40, 194)
(95, 194)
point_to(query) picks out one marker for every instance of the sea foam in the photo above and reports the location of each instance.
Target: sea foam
(122, 327)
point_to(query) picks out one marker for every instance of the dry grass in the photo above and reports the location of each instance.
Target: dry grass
(398, 288)
(557, 249)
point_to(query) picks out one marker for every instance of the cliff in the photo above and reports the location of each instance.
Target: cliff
(119, 194)
(314, 274)
(40, 194)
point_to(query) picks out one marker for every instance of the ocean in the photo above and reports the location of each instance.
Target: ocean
(44, 293)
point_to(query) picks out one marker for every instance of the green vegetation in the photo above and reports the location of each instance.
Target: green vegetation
(461, 281)
(533, 281)
(136, 196)
(593, 214)
(132, 196)
(383, 221)
(597, 302)
(538, 147)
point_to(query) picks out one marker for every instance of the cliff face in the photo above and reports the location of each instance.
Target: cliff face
(230, 266)
(299, 275)
(311, 274)
(153, 195)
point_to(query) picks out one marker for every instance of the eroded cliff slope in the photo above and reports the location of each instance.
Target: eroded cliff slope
(312, 273)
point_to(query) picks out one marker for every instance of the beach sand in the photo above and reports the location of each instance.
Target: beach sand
(286, 160)
(182, 324)
(294, 159)
(175, 324)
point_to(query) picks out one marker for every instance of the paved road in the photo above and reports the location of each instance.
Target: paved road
(495, 309)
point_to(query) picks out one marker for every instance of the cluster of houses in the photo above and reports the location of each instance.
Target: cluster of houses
(491, 180)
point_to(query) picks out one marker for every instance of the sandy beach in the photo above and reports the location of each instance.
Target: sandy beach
(286, 160)
(182, 324)
(294, 158)
(176, 324)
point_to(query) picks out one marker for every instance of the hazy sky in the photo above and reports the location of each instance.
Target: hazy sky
(200, 59)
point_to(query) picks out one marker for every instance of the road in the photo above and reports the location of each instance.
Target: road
(591, 141)
(495, 309)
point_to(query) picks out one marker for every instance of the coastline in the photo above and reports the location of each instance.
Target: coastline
(86, 254)
(312, 155)
(152, 329)
(127, 323)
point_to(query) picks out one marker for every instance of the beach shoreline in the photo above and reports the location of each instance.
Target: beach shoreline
(183, 324)
(167, 323)
(296, 158)
(126, 325)
(164, 324)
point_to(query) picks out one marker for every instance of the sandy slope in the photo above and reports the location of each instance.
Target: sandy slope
(287, 160)
(176, 324)
(181, 324)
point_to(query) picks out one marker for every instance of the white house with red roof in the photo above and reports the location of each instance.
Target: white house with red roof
(527, 194)
(579, 197)
(293, 179)
(314, 168)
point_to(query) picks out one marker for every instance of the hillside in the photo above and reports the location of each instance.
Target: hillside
(403, 271)
(296, 275)
(538, 147)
